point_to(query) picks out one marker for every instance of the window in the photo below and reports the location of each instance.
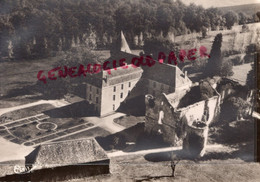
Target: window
(121, 95)
(97, 91)
(89, 96)
(114, 97)
(129, 84)
(122, 86)
(96, 100)
(154, 84)
(114, 88)
(113, 107)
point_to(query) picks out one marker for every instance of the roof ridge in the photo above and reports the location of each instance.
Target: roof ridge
(65, 141)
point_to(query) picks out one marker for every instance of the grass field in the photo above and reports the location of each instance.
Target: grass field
(136, 168)
(26, 112)
(232, 39)
(94, 132)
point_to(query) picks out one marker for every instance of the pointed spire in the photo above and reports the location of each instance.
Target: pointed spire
(124, 45)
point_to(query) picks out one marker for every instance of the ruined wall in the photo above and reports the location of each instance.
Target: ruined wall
(195, 111)
(196, 136)
(177, 126)
(160, 118)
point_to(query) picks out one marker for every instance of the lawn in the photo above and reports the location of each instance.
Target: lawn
(94, 132)
(17, 78)
(16, 74)
(26, 112)
(232, 39)
(136, 168)
(65, 123)
(28, 131)
(240, 73)
(128, 121)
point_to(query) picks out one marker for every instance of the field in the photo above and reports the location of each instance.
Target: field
(232, 39)
(249, 9)
(26, 112)
(136, 168)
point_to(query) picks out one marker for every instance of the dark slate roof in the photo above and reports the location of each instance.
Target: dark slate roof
(162, 73)
(121, 75)
(65, 153)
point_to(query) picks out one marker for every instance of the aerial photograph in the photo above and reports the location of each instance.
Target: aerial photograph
(130, 90)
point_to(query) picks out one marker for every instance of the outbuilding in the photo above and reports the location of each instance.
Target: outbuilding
(67, 160)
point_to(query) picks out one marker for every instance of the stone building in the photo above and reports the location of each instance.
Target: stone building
(67, 160)
(108, 91)
(183, 117)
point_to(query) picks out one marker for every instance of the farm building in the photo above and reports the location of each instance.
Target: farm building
(66, 160)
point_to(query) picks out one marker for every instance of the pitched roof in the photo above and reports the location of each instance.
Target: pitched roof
(161, 73)
(124, 45)
(166, 73)
(66, 153)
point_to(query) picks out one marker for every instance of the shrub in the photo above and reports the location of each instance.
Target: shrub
(81, 121)
(226, 69)
(27, 137)
(245, 28)
(234, 108)
(237, 60)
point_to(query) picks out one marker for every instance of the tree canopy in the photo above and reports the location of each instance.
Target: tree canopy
(37, 28)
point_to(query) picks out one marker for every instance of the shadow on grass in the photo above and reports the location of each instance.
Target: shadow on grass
(135, 106)
(237, 134)
(165, 156)
(53, 89)
(75, 110)
(136, 134)
(118, 140)
(26, 90)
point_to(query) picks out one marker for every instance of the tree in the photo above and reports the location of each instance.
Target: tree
(155, 45)
(258, 16)
(242, 18)
(206, 90)
(250, 79)
(231, 18)
(234, 108)
(226, 69)
(250, 53)
(204, 32)
(215, 61)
